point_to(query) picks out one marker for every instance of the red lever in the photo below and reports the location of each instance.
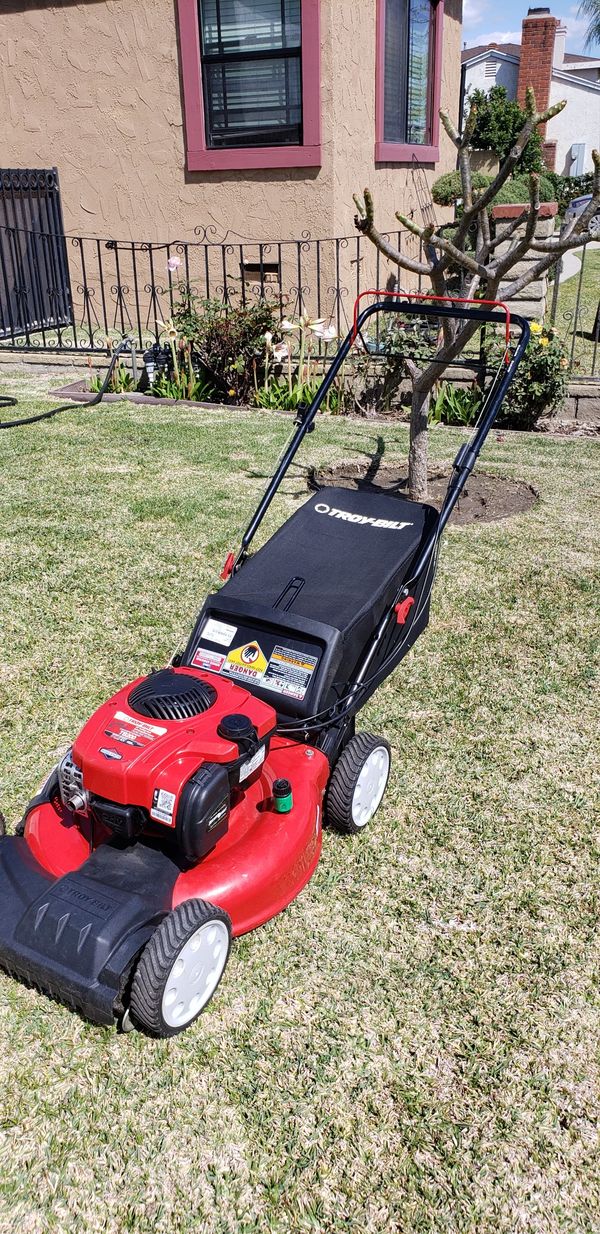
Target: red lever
(403, 609)
(228, 566)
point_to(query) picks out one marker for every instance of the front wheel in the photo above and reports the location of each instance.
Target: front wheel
(180, 968)
(358, 782)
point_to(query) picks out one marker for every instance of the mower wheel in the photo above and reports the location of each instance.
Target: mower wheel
(180, 968)
(357, 784)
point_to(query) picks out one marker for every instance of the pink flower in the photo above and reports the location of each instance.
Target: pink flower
(173, 264)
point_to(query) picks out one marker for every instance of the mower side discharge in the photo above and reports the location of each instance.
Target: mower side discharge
(75, 937)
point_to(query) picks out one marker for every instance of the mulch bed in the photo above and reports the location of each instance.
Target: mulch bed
(485, 498)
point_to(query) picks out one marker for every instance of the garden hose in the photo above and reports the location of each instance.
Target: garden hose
(7, 401)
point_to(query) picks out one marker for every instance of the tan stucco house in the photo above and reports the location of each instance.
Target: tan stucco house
(259, 118)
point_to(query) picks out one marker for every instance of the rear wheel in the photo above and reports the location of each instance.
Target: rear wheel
(180, 968)
(358, 782)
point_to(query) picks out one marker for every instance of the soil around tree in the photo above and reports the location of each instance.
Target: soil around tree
(485, 498)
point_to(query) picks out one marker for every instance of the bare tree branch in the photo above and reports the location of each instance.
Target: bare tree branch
(579, 224)
(451, 253)
(534, 272)
(364, 222)
(429, 236)
(518, 250)
(506, 232)
(576, 232)
(534, 119)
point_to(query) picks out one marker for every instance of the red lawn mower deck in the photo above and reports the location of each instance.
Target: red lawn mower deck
(189, 809)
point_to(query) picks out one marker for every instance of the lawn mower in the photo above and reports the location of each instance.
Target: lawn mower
(189, 809)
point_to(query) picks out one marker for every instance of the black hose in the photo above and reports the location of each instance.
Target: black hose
(7, 401)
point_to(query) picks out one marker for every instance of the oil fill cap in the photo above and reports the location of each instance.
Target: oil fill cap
(282, 796)
(236, 727)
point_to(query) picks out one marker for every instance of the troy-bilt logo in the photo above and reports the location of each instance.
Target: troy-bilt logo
(387, 523)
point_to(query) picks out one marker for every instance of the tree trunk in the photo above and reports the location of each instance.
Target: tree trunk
(417, 455)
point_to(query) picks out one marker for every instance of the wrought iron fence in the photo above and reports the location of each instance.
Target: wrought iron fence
(121, 288)
(73, 293)
(575, 309)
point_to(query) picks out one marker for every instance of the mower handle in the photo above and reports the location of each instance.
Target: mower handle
(467, 455)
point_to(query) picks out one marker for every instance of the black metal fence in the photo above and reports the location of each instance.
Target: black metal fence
(76, 293)
(35, 293)
(117, 288)
(575, 309)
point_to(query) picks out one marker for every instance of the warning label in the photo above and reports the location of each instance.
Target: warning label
(289, 672)
(212, 661)
(133, 731)
(246, 663)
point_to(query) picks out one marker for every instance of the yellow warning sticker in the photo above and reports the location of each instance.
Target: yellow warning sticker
(246, 662)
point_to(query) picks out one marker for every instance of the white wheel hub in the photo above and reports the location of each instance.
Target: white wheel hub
(370, 786)
(195, 973)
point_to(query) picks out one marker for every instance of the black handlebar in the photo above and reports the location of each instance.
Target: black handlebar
(468, 453)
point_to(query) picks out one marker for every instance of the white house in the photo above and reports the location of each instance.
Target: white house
(540, 60)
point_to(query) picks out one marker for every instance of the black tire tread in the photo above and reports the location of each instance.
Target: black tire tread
(338, 799)
(158, 957)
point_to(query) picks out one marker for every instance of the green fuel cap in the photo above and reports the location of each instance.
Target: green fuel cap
(282, 796)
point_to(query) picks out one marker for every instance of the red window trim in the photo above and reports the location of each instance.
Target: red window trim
(395, 152)
(199, 156)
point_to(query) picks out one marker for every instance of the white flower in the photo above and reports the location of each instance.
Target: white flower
(281, 352)
(327, 333)
(287, 326)
(170, 328)
(268, 337)
(173, 264)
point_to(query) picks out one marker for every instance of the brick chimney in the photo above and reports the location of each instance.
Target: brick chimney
(535, 67)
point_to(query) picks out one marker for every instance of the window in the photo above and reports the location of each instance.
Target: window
(408, 79)
(251, 72)
(251, 82)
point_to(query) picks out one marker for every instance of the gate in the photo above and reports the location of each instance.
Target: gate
(35, 292)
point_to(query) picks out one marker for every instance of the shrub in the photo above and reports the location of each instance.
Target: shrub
(229, 342)
(447, 189)
(499, 122)
(517, 190)
(540, 382)
(566, 188)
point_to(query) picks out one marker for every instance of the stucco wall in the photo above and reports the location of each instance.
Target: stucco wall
(94, 88)
(579, 122)
(493, 71)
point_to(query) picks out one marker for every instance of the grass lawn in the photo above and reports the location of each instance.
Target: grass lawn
(412, 1046)
(586, 355)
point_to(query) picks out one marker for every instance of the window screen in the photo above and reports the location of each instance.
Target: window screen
(406, 87)
(251, 72)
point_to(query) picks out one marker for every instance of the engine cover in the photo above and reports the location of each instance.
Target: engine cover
(137, 760)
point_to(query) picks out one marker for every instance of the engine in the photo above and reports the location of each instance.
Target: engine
(169, 754)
